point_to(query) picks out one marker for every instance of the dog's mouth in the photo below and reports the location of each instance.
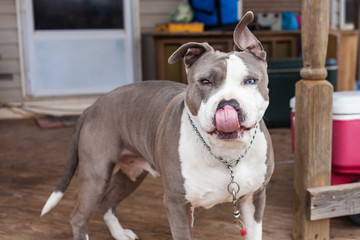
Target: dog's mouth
(227, 124)
(238, 133)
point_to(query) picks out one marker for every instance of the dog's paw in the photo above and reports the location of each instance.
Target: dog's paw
(117, 231)
(129, 235)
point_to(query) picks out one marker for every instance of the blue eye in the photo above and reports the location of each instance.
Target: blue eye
(250, 81)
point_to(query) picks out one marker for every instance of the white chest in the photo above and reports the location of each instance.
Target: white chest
(206, 179)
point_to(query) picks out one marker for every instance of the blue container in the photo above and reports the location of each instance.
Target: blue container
(215, 12)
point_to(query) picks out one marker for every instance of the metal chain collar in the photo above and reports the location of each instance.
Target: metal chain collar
(233, 187)
(229, 164)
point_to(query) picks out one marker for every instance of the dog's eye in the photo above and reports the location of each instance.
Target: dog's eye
(250, 81)
(205, 82)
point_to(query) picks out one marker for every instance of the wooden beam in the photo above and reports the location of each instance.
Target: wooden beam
(333, 201)
(313, 125)
(312, 153)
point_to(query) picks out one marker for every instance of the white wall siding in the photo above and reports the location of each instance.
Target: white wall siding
(10, 81)
(153, 12)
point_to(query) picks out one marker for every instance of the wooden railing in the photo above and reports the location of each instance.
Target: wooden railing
(313, 132)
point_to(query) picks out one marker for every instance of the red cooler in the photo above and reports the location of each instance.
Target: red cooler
(346, 136)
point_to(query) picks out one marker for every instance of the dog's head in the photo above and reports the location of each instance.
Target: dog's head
(227, 92)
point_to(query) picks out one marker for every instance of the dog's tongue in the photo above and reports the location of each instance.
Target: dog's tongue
(227, 119)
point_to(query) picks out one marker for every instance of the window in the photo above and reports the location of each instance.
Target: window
(78, 14)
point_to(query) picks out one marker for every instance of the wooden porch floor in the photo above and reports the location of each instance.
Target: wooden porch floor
(32, 160)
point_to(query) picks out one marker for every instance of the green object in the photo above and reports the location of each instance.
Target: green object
(283, 75)
(183, 14)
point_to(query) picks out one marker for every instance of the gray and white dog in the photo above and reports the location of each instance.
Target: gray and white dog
(206, 140)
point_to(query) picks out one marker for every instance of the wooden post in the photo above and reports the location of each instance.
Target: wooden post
(313, 125)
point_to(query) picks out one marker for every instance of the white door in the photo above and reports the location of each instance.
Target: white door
(75, 47)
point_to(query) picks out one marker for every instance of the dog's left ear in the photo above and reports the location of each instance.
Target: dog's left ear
(244, 39)
(190, 52)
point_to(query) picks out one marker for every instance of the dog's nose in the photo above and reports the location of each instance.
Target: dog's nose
(232, 102)
(229, 115)
(235, 104)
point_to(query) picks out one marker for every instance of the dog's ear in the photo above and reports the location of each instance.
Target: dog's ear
(244, 39)
(190, 52)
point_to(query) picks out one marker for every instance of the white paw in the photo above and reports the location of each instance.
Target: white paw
(117, 231)
(129, 235)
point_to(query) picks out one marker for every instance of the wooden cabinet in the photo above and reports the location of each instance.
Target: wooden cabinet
(342, 46)
(279, 44)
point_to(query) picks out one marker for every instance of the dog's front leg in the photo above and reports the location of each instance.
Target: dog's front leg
(252, 210)
(179, 216)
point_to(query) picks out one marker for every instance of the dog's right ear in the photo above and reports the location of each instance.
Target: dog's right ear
(190, 52)
(244, 39)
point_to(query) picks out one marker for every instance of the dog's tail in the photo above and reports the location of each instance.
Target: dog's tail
(70, 167)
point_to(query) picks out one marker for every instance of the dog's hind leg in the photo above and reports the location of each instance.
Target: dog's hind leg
(120, 187)
(89, 195)
(95, 170)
